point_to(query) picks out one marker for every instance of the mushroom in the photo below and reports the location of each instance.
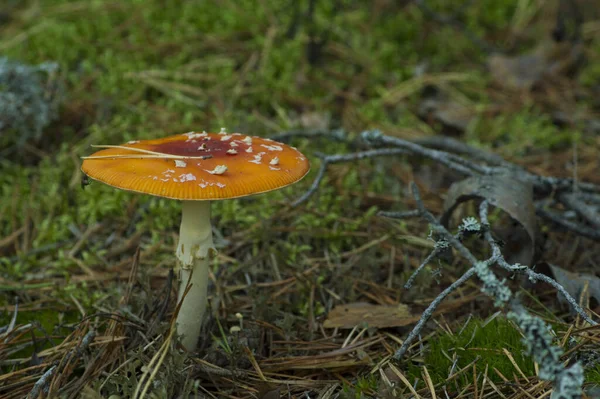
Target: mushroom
(176, 167)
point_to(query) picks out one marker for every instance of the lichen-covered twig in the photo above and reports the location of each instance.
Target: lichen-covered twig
(589, 213)
(585, 201)
(575, 227)
(42, 383)
(533, 276)
(400, 215)
(326, 160)
(541, 184)
(449, 144)
(427, 313)
(538, 341)
(336, 135)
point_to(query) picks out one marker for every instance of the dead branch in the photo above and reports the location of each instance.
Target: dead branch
(540, 344)
(583, 200)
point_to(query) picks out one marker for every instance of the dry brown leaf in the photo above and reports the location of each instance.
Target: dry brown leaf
(380, 316)
(524, 71)
(574, 283)
(437, 106)
(508, 193)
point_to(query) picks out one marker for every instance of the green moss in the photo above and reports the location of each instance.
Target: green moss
(522, 132)
(364, 387)
(476, 340)
(592, 375)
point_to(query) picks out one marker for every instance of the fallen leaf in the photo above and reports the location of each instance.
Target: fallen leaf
(380, 316)
(574, 283)
(523, 72)
(513, 196)
(437, 106)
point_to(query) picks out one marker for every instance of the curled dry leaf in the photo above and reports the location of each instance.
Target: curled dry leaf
(380, 316)
(508, 193)
(574, 283)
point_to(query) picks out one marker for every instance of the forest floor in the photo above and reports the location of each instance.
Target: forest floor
(86, 288)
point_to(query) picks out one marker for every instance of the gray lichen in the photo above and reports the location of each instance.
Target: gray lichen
(469, 225)
(538, 339)
(492, 285)
(29, 99)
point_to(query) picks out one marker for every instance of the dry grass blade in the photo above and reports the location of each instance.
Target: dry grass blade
(428, 382)
(152, 368)
(514, 363)
(151, 154)
(402, 378)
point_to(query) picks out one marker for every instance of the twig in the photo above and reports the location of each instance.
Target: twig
(45, 379)
(42, 383)
(326, 160)
(517, 268)
(399, 215)
(336, 135)
(578, 228)
(543, 186)
(537, 337)
(429, 312)
(584, 210)
(454, 146)
(452, 161)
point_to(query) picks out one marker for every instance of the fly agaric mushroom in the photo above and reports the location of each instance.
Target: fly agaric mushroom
(197, 168)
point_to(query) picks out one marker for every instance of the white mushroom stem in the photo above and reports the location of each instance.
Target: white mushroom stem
(194, 252)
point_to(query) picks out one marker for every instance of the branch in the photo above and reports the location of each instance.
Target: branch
(586, 211)
(479, 163)
(336, 135)
(538, 339)
(578, 228)
(43, 382)
(331, 159)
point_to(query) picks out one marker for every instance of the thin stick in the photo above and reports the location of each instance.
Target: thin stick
(151, 154)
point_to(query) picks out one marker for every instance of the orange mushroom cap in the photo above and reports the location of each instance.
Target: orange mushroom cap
(198, 166)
